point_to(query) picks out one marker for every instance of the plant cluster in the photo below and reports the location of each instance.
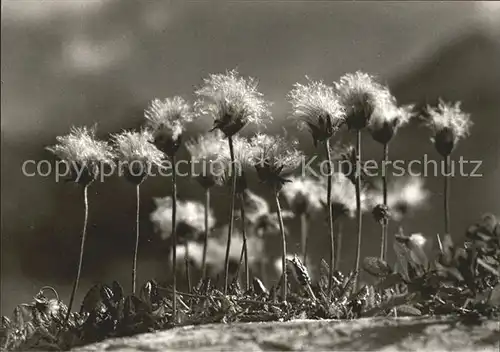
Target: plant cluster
(460, 280)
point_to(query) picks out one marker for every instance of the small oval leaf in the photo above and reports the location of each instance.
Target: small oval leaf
(376, 267)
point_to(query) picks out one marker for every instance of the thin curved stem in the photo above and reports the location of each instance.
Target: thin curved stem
(244, 247)
(447, 195)
(358, 200)
(330, 217)
(136, 248)
(283, 241)
(231, 213)
(383, 230)
(205, 239)
(82, 248)
(186, 262)
(303, 236)
(385, 223)
(174, 239)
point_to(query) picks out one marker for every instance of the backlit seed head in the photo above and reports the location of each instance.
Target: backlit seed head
(166, 119)
(190, 218)
(417, 239)
(136, 153)
(317, 107)
(449, 124)
(206, 151)
(81, 150)
(359, 94)
(232, 101)
(274, 159)
(387, 118)
(216, 250)
(303, 194)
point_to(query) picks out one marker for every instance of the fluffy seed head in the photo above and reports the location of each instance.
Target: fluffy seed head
(233, 101)
(190, 218)
(449, 124)
(418, 239)
(136, 153)
(274, 158)
(317, 106)
(303, 194)
(386, 119)
(166, 119)
(206, 152)
(80, 148)
(216, 250)
(359, 94)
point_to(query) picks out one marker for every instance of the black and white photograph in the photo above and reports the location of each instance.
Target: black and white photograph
(250, 175)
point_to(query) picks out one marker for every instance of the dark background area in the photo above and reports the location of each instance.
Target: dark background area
(70, 63)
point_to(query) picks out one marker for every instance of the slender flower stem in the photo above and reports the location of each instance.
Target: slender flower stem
(244, 247)
(330, 216)
(186, 262)
(134, 264)
(283, 239)
(358, 200)
(447, 195)
(174, 239)
(205, 239)
(303, 235)
(231, 213)
(82, 247)
(338, 245)
(383, 230)
(385, 223)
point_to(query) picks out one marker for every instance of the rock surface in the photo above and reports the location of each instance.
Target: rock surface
(403, 334)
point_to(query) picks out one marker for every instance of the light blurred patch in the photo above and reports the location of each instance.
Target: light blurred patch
(83, 55)
(35, 12)
(489, 13)
(156, 15)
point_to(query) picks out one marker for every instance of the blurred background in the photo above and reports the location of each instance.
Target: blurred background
(73, 62)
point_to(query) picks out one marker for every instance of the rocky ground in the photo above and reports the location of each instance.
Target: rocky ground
(403, 334)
